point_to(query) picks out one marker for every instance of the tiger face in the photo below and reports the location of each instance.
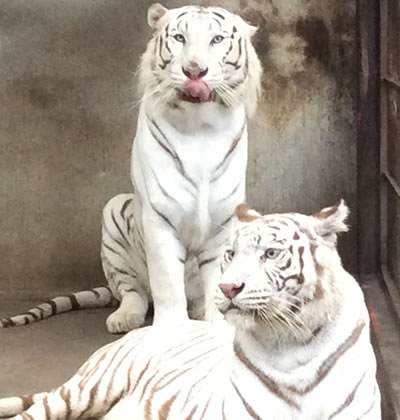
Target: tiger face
(274, 265)
(200, 55)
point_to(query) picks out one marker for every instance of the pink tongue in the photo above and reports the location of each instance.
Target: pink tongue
(197, 89)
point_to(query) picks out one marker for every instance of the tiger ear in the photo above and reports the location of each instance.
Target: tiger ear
(248, 29)
(330, 221)
(251, 30)
(244, 214)
(155, 13)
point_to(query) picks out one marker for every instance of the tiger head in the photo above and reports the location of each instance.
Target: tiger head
(278, 269)
(200, 55)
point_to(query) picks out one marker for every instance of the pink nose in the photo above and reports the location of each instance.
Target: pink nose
(231, 290)
(194, 73)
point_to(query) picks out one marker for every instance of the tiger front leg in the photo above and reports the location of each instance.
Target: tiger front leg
(209, 265)
(124, 266)
(166, 267)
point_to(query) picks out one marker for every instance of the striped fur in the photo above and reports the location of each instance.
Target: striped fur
(188, 171)
(98, 297)
(188, 166)
(299, 348)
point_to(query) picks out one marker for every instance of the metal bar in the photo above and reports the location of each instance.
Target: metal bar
(368, 153)
(392, 181)
(383, 29)
(383, 120)
(388, 79)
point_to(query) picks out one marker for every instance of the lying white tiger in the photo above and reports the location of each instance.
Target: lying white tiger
(200, 76)
(301, 350)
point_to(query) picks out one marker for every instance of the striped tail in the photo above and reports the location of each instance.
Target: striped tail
(99, 297)
(13, 406)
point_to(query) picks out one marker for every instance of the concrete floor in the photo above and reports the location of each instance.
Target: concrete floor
(42, 355)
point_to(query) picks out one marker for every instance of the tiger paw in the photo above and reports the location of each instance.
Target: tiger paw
(122, 321)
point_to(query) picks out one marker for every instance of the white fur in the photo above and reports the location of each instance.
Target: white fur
(189, 191)
(265, 370)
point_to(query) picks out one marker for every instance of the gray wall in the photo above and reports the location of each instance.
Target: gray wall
(68, 119)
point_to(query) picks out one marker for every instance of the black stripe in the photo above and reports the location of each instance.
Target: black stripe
(110, 248)
(219, 15)
(167, 47)
(162, 189)
(165, 218)
(229, 153)
(168, 148)
(42, 311)
(246, 405)
(370, 407)
(128, 224)
(229, 195)
(182, 14)
(65, 394)
(35, 317)
(121, 271)
(130, 290)
(7, 322)
(53, 305)
(348, 400)
(112, 236)
(125, 206)
(164, 61)
(74, 302)
(229, 50)
(221, 226)
(96, 293)
(266, 380)
(118, 227)
(219, 23)
(236, 83)
(226, 221)
(207, 261)
(236, 64)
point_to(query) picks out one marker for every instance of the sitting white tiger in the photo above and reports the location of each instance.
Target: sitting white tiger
(200, 78)
(300, 349)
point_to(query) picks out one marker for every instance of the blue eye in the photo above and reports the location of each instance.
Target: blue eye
(229, 254)
(271, 253)
(179, 38)
(217, 39)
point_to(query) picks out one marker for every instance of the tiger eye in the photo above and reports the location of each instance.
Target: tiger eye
(271, 253)
(229, 254)
(179, 38)
(217, 39)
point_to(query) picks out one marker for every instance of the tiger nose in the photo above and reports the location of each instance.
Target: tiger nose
(194, 72)
(231, 290)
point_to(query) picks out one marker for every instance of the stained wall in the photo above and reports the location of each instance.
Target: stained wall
(68, 114)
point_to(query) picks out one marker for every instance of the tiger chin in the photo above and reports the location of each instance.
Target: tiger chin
(296, 344)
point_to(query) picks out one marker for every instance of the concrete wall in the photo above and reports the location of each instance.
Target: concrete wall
(68, 119)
